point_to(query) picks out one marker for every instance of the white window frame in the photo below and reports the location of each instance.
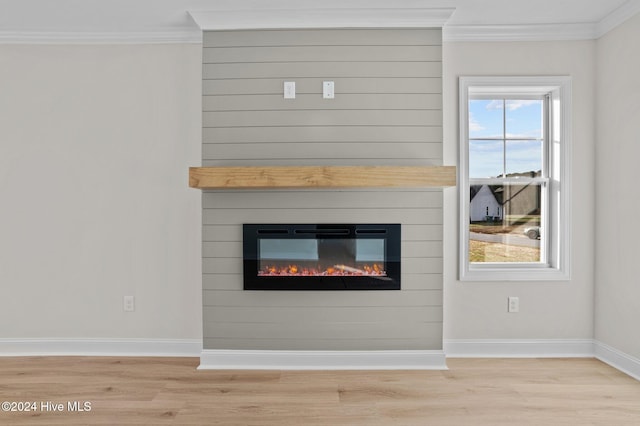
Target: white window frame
(555, 265)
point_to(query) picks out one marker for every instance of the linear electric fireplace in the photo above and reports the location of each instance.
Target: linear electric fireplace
(321, 256)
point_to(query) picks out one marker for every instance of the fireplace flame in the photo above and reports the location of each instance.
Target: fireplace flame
(335, 270)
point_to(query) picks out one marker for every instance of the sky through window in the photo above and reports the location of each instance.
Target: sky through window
(505, 136)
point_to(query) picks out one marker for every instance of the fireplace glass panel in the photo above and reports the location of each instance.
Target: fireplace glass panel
(276, 249)
(321, 257)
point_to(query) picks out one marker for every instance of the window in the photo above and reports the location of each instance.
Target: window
(514, 161)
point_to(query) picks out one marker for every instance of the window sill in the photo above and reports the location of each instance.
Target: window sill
(515, 274)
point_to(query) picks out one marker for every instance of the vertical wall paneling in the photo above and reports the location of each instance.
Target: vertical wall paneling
(387, 111)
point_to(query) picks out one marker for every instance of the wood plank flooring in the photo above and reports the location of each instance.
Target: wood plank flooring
(159, 391)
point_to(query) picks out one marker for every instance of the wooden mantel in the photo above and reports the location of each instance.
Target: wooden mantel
(321, 177)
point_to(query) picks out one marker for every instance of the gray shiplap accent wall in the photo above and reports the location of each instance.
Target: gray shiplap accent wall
(387, 111)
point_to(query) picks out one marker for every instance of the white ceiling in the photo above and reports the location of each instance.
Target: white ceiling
(168, 20)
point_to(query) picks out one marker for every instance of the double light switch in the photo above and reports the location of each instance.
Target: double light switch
(328, 90)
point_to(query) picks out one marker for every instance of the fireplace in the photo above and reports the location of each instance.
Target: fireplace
(321, 256)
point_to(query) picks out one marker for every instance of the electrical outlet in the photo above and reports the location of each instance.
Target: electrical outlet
(128, 303)
(513, 304)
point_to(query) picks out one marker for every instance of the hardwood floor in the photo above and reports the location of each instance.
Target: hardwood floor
(158, 391)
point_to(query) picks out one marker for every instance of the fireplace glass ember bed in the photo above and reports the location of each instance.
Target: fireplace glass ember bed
(321, 256)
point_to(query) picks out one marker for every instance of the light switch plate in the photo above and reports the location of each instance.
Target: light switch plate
(328, 91)
(289, 89)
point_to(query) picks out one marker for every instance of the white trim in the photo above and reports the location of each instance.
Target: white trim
(618, 359)
(363, 17)
(221, 359)
(100, 347)
(166, 24)
(540, 32)
(519, 348)
(327, 360)
(617, 17)
(80, 37)
(558, 267)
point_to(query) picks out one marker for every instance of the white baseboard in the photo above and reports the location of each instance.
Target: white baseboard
(101, 347)
(322, 360)
(618, 360)
(519, 348)
(326, 360)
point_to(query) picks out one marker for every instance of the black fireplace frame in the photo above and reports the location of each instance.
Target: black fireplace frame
(253, 232)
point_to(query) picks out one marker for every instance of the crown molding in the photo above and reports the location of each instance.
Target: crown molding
(617, 17)
(84, 27)
(82, 37)
(298, 18)
(541, 32)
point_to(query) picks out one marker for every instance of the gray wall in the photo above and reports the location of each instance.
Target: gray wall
(548, 309)
(616, 183)
(103, 134)
(387, 111)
